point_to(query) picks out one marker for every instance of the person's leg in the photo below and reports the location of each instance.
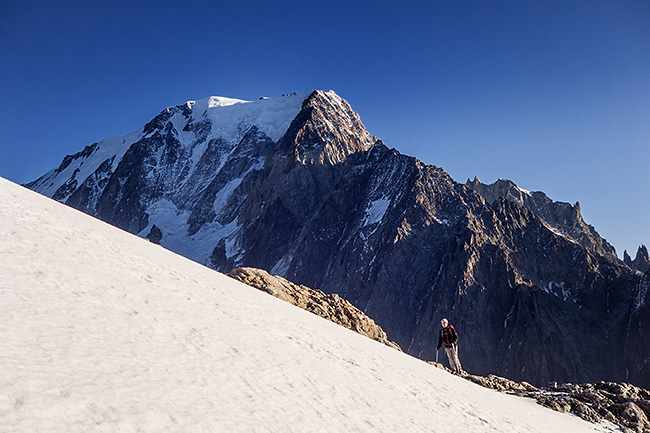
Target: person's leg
(451, 356)
(457, 360)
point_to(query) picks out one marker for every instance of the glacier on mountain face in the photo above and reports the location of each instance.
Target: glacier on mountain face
(184, 152)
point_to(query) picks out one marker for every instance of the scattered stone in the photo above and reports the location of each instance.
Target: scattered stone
(558, 405)
(439, 365)
(584, 411)
(502, 384)
(624, 404)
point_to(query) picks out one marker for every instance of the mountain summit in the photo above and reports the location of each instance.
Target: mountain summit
(297, 186)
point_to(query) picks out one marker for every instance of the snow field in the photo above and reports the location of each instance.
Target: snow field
(103, 331)
(272, 116)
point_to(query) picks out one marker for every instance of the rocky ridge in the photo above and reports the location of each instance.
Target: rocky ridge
(564, 218)
(331, 307)
(624, 404)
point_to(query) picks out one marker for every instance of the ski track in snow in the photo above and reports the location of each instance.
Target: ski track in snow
(103, 331)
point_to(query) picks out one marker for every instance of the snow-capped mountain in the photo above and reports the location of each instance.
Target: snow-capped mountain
(296, 186)
(103, 331)
(175, 172)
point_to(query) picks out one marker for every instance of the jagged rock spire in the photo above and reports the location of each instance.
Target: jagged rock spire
(642, 260)
(325, 131)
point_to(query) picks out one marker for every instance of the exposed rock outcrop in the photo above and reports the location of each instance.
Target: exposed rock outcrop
(565, 218)
(155, 235)
(626, 405)
(331, 307)
(641, 262)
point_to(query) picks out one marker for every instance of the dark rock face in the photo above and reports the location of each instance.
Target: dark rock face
(641, 262)
(563, 217)
(637, 361)
(331, 307)
(533, 291)
(420, 247)
(155, 235)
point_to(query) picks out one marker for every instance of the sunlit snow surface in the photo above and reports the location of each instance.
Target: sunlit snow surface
(229, 119)
(103, 331)
(272, 116)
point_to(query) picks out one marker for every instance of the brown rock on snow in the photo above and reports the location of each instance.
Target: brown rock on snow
(331, 307)
(502, 384)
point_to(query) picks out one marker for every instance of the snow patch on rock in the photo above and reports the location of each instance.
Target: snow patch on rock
(375, 211)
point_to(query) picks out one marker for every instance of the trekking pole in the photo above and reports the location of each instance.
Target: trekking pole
(437, 355)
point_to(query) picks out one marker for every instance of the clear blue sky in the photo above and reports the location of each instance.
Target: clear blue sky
(554, 95)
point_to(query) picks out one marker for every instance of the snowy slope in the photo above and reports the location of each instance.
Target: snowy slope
(103, 331)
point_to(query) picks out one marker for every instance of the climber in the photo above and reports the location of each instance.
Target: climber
(449, 338)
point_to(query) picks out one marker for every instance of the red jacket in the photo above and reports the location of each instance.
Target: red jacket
(447, 336)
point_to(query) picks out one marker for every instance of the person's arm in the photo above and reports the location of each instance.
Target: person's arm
(439, 340)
